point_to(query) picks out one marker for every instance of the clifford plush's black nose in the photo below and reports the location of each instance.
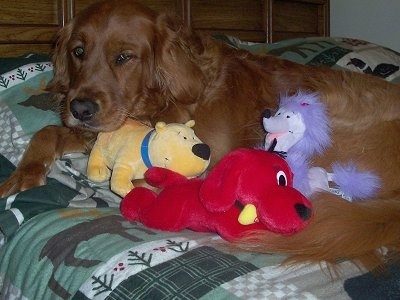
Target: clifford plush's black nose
(303, 211)
(202, 150)
(83, 109)
(267, 114)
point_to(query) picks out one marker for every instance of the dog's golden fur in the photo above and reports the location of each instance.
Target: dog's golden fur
(145, 67)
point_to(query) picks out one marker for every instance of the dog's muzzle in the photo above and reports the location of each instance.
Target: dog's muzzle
(83, 109)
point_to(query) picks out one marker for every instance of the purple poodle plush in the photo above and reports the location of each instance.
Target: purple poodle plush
(299, 130)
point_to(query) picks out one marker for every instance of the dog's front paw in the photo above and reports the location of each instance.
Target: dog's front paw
(98, 173)
(24, 178)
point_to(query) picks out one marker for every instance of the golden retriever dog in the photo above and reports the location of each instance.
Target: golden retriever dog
(145, 66)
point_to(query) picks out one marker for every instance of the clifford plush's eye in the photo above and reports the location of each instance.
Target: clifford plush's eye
(281, 178)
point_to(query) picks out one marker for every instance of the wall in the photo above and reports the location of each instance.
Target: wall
(376, 21)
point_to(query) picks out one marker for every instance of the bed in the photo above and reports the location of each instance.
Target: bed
(68, 240)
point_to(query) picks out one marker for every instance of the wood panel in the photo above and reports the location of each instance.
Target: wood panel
(30, 25)
(174, 7)
(297, 18)
(242, 18)
(11, 50)
(28, 12)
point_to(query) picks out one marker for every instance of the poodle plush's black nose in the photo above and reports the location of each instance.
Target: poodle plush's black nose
(303, 211)
(267, 114)
(202, 150)
(83, 109)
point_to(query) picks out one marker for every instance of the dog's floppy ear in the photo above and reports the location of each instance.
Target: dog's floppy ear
(60, 80)
(175, 62)
(219, 190)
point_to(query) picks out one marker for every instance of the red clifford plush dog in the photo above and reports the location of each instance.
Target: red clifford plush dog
(247, 190)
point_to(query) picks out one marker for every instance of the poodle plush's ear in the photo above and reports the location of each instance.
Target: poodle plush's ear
(60, 81)
(219, 190)
(175, 62)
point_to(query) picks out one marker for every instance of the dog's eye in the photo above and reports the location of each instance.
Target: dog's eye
(78, 51)
(122, 58)
(281, 178)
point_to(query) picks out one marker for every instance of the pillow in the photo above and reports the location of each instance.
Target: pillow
(25, 107)
(337, 53)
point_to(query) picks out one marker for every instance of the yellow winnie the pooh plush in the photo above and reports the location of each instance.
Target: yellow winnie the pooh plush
(130, 150)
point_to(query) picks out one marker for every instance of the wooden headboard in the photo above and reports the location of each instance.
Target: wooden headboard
(30, 25)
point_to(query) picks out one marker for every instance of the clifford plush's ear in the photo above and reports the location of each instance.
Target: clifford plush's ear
(219, 190)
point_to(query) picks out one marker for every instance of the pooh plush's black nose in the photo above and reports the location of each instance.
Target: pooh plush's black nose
(303, 211)
(202, 150)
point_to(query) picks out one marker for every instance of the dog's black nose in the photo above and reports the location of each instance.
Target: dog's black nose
(303, 211)
(201, 150)
(83, 109)
(267, 114)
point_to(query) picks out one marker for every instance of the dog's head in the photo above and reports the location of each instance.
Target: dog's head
(117, 59)
(261, 184)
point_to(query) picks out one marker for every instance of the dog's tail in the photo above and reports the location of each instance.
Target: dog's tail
(367, 233)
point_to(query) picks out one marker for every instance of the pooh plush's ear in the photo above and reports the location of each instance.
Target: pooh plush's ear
(160, 126)
(219, 190)
(190, 123)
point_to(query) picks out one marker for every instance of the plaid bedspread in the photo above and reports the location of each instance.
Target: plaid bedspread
(84, 253)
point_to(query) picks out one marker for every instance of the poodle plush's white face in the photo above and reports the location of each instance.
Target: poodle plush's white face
(286, 126)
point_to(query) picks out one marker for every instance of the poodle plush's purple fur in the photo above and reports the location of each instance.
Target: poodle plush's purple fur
(316, 138)
(355, 184)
